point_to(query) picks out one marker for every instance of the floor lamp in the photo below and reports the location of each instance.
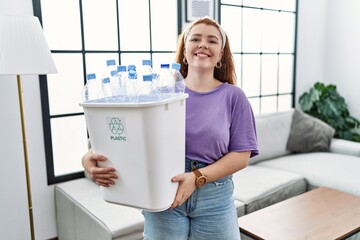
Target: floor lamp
(24, 51)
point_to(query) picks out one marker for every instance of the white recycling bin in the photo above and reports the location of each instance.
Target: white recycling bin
(145, 143)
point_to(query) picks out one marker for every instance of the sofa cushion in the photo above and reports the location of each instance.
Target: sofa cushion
(259, 187)
(309, 134)
(272, 130)
(83, 214)
(332, 170)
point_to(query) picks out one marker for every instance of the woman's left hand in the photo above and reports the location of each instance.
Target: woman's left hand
(186, 188)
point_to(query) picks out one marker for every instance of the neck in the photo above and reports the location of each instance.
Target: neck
(201, 81)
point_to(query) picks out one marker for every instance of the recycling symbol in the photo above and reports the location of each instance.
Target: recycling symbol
(116, 127)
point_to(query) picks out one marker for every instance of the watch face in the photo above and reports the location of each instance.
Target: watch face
(200, 181)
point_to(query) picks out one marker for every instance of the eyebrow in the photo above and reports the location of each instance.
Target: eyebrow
(198, 35)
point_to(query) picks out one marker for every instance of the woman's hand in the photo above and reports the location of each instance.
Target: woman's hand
(101, 175)
(186, 188)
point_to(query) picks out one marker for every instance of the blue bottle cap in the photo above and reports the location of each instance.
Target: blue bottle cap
(165, 66)
(110, 62)
(91, 76)
(147, 77)
(176, 66)
(106, 80)
(121, 68)
(113, 72)
(146, 62)
(131, 67)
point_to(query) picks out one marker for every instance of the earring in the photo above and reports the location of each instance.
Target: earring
(185, 61)
(218, 64)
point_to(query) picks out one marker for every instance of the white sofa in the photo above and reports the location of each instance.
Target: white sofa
(275, 175)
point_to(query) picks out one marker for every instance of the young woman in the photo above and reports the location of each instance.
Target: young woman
(220, 139)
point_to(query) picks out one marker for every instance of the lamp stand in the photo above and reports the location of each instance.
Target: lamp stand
(28, 187)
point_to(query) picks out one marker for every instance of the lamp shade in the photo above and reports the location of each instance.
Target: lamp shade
(23, 49)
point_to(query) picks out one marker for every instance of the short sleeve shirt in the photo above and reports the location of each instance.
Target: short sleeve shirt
(218, 122)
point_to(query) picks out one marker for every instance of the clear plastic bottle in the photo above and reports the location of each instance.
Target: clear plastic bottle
(132, 83)
(91, 89)
(106, 91)
(146, 68)
(166, 81)
(148, 91)
(110, 66)
(179, 78)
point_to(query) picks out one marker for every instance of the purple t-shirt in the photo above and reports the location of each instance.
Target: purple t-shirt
(218, 122)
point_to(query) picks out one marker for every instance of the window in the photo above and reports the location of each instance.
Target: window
(83, 34)
(262, 38)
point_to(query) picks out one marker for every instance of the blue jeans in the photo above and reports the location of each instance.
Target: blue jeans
(209, 214)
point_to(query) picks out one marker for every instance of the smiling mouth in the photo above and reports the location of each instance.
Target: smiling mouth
(202, 55)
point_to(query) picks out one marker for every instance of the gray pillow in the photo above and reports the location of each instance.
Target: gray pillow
(309, 134)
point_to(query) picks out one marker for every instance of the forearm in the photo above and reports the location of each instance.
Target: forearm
(227, 165)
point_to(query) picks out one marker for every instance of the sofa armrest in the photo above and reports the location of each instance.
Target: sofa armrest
(345, 147)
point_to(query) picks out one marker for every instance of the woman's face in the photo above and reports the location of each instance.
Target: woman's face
(203, 46)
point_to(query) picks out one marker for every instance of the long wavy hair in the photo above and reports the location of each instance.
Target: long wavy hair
(226, 73)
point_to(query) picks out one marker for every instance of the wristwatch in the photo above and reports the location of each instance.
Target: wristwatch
(200, 180)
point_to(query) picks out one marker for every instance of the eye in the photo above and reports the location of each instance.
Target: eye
(194, 39)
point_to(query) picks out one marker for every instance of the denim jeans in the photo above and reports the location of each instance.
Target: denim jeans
(209, 213)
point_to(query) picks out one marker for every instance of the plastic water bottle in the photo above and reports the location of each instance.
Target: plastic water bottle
(106, 89)
(110, 66)
(148, 91)
(166, 81)
(132, 84)
(91, 89)
(146, 68)
(179, 78)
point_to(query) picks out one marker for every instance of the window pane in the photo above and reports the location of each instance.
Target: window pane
(164, 25)
(162, 58)
(268, 104)
(65, 87)
(134, 58)
(287, 32)
(61, 32)
(96, 62)
(284, 102)
(269, 68)
(255, 105)
(251, 30)
(251, 75)
(288, 5)
(252, 3)
(69, 141)
(286, 63)
(270, 32)
(100, 25)
(238, 68)
(232, 2)
(134, 25)
(230, 21)
(271, 4)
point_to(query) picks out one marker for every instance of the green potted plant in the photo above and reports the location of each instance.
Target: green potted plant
(326, 104)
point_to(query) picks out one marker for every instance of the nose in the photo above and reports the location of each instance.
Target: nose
(203, 44)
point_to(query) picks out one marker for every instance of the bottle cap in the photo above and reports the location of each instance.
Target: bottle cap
(110, 62)
(176, 66)
(121, 68)
(165, 66)
(91, 76)
(106, 80)
(131, 67)
(113, 72)
(146, 62)
(147, 77)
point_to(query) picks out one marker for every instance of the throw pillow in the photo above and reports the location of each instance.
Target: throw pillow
(309, 134)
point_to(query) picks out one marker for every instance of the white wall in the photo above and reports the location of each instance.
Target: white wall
(328, 37)
(14, 217)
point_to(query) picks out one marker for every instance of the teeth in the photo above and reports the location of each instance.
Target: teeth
(201, 55)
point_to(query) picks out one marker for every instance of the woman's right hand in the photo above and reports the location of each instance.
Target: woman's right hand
(101, 175)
